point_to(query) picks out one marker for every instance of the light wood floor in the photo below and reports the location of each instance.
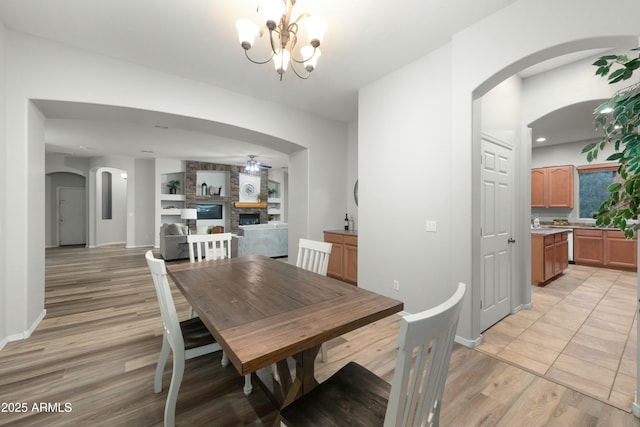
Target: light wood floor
(98, 345)
(580, 331)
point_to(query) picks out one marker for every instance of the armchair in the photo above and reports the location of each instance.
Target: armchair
(173, 241)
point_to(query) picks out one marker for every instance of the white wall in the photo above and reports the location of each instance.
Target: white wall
(501, 111)
(486, 53)
(352, 171)
(121, 228)
(565, 154)
(298, 187)
(34, 249)
(405, 171)
(3, 146)
(426, 112)
(144, 204)
(78, 76)
(571, 84)
(112, 230)
(280, 176)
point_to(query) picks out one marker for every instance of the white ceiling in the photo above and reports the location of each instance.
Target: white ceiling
(573, 123)
(197, 39)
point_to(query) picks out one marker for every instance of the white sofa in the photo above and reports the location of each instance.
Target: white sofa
(270, 240)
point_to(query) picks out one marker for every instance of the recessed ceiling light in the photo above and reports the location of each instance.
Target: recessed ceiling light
(541, 139)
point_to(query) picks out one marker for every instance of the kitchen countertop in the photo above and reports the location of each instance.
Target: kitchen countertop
(345, 232)
(547, 231)
(581, 226)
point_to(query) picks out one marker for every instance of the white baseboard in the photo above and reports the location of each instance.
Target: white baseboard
(26, 334)
(521, 307)
(139, 246)
(468, 343)
(109, 244)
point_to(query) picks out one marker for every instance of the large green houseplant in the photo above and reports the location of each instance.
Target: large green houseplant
(619, 119)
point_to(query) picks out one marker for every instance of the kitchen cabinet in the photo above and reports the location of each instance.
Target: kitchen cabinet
(549, 255)
(343, 261)
(605, 248)
(552, 187)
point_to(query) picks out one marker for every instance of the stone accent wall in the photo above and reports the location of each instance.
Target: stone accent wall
(233, 193)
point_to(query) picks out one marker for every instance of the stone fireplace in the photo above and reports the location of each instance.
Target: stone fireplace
(232, 194)
(249, 218)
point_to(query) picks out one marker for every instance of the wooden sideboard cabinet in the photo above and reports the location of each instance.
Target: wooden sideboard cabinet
(549, 256)
(552, 187)
(343, 262)
(605, 248)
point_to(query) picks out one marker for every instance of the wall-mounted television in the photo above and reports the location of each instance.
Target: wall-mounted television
(213, 211)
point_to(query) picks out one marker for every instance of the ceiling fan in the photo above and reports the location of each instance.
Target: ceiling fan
(254, 166)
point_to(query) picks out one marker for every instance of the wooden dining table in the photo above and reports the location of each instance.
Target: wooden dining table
(263, 311)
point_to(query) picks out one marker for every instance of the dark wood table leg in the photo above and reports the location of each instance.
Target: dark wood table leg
(288, 389)
(305, 375)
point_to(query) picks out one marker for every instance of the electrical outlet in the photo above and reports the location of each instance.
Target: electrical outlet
(396, 285)
(432, 226)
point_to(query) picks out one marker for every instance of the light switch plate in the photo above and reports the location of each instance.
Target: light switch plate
(432, 226)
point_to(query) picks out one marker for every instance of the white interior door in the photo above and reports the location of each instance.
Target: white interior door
(496, 237)
(71, 216)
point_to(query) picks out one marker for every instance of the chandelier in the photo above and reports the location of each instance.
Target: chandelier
(283, 36)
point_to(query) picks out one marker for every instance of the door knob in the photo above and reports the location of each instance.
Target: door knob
(511, 240)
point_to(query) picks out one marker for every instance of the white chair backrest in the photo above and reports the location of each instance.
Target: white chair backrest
(209, 246)
(415, 397)
(313, 256)
(167, 306)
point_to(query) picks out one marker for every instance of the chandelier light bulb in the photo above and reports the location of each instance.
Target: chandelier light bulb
(272, 11)
(281, 61)
(310, 57)
(247, 32)
(316, 27)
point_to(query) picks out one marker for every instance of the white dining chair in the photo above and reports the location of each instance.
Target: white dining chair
(205, 247)
(415, 395)
(186, 340)
(209, 246)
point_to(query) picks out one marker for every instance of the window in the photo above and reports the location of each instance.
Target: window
(106, 196)
(593, 181)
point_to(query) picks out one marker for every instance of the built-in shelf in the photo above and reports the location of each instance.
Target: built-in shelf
(171, 204)
(274, 206)
(254, 205)
(171, 211)
(174, 197)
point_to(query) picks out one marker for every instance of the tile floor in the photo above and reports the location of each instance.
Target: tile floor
(579, 332)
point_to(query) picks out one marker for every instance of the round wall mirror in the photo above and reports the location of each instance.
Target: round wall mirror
(355, 192)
